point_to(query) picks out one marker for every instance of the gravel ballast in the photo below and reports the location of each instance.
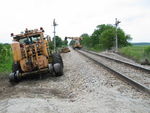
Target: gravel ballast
(84, 88)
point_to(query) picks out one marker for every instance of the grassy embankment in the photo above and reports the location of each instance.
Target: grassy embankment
(137, 53)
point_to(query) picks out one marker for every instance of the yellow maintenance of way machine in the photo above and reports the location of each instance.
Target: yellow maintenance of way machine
(76, 44)
(32, 55)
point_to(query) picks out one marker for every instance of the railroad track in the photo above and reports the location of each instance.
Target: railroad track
(137, 76)
(120, 61)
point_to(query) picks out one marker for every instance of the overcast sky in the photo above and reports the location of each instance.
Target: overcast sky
(74, 17)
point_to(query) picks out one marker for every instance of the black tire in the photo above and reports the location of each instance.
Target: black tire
(13, 78)
(15, 67)
(58, 59)
(61, 61)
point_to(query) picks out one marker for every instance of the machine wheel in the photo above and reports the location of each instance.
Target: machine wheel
(57, 64)
(14, 76)
(57, 59)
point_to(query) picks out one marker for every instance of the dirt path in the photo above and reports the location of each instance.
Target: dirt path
(84, 88)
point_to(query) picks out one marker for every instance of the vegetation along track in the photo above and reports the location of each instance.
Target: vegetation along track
(136, 76)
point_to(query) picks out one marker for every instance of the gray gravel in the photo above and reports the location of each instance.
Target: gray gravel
(84, 88)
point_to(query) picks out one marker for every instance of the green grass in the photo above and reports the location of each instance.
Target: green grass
(6, 65)
(137, 53)
(96, 48)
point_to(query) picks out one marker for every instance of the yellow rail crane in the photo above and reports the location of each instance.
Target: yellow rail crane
(77, 42)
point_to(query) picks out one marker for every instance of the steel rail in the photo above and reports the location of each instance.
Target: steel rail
(120, 61)
(121, 76)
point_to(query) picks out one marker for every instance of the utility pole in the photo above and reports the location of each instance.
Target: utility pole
(54, 24)
(116, 24)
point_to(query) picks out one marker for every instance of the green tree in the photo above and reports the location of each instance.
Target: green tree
(58, 41)
(65, 43)
(96, 35)
(72, 42)
(107, 38)
(51, 45)
(86, 40)
(104, 35)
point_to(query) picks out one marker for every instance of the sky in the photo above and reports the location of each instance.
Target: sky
(74, 17)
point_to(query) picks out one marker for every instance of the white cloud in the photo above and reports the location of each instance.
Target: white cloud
(74, 16)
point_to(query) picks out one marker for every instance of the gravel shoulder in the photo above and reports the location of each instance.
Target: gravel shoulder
(84, 88)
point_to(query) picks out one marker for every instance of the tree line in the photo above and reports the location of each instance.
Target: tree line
(103, 38)
(59, 42)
